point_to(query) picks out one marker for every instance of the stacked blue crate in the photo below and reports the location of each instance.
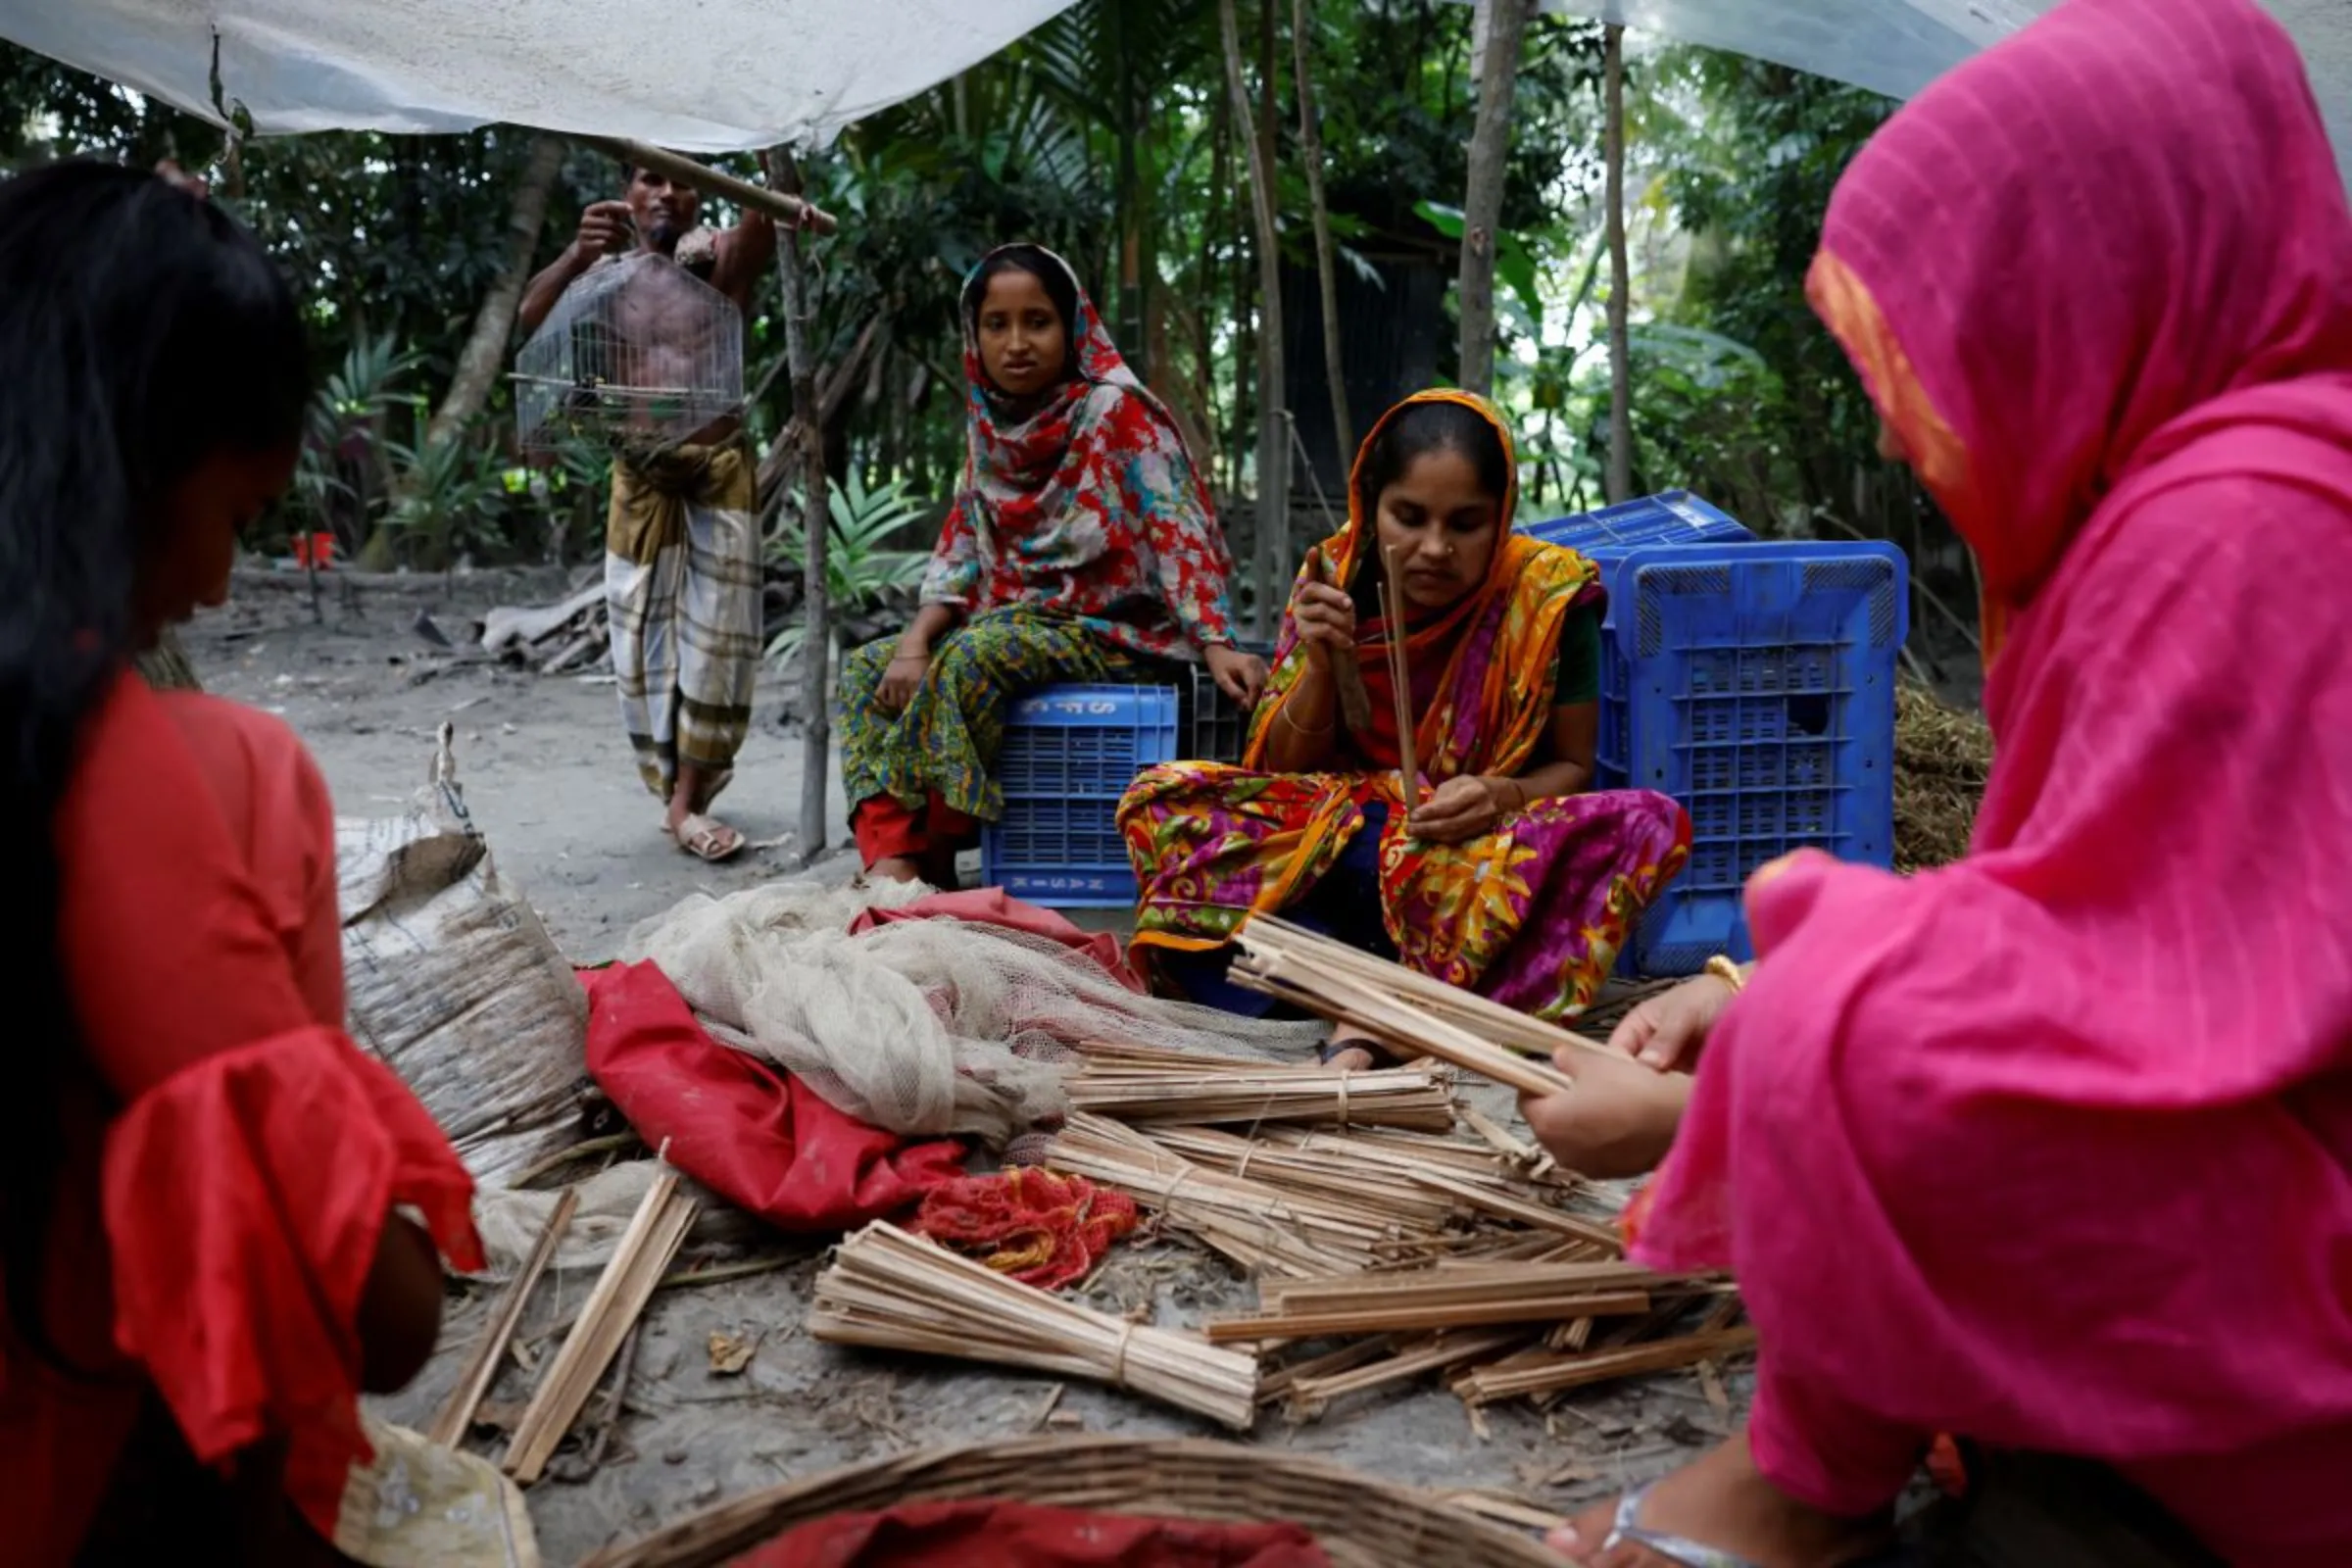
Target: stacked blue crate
(1761, 694)
(1672, 518)
(1069, 754)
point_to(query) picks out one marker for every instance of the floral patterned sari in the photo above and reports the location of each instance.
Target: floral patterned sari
(1533, 914)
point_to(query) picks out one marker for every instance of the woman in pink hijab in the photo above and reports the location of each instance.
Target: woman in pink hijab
(2052, 1148)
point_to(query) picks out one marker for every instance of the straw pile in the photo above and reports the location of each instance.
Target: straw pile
(1941, 760)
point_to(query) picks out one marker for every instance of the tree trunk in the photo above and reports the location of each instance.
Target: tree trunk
(1310, 147)
(1500, 26)
(1272, 544)
(166, 666)
(1621, 283)
(485, 349)
(816, 643)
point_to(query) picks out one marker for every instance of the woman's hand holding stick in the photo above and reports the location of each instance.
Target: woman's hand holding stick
(1347, 676)
(1392, 603)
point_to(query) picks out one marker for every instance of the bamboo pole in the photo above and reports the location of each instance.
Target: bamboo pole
(789, 210)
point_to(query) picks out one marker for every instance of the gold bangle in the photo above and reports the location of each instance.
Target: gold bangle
(1730, 974)
(1291, 719)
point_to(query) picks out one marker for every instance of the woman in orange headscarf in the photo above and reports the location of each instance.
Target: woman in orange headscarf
(2052, 1148)
(1509, 876)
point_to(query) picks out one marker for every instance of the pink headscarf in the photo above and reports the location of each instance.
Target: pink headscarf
(2053, 1147)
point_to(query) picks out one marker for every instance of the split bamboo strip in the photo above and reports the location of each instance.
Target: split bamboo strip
(1552, 1374)
(455, 1415)
(1283, 961)
(1400, 677)
(1381, 1317)
(655, 1232)
(1308, 1396)
(1541, 1216)
(1576, 1335)
(1396, 1097)
(1275, 1382)
(1221, 1221)
(1167, 1173)
(1455, 1286)
(891, 1291)
(1465, 1010)
(1390, 1194)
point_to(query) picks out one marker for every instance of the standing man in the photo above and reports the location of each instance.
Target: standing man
(681, 540)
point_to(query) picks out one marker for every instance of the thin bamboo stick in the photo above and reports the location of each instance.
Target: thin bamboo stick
(1387, 1097)
(1454, 1286)
(1275, 959)
(1310, 1396)
(1379, 1317)
(1391, 595)
(655, 1232)
(1550, 1374)
(1465, 1010)
(456, 1414)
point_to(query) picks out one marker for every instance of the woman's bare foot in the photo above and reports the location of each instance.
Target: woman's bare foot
(1344, 1050)
(897, 869)
(1723, 1501)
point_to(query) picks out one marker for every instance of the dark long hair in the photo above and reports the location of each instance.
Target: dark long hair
(142, 331)
(1420, 428)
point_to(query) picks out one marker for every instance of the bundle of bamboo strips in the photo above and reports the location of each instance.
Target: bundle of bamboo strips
(1400, 1097)
(891, 1291)
(1258, 1226)
(1407, 1011)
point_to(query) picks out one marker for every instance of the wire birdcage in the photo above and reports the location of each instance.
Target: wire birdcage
(639, 354)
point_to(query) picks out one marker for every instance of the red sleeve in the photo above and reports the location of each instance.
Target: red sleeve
(257, 1151)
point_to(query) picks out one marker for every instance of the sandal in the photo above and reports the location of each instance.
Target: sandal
(1382, 1056)
(708, 839)
(1627, 1529)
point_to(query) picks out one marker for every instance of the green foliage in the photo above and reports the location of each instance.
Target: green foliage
(864, 572)
(1758, 162)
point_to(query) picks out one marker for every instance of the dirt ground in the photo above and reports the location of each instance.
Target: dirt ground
(546, 773)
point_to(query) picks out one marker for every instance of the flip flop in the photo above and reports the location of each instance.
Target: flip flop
(708, 839)
(1626, 1528)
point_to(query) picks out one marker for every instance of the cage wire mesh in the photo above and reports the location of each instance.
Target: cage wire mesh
(639, 354)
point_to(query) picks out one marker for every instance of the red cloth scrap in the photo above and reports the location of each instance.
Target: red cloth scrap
(757, 1137)
(985, 1534)
(1033, 1225)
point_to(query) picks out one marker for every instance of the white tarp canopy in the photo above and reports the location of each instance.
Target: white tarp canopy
(1898, 46)
(716, 75)
(698, 76)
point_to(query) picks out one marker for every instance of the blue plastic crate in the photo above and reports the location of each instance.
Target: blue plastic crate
(1070, 752)
(1669, 517)
(1761, 694)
